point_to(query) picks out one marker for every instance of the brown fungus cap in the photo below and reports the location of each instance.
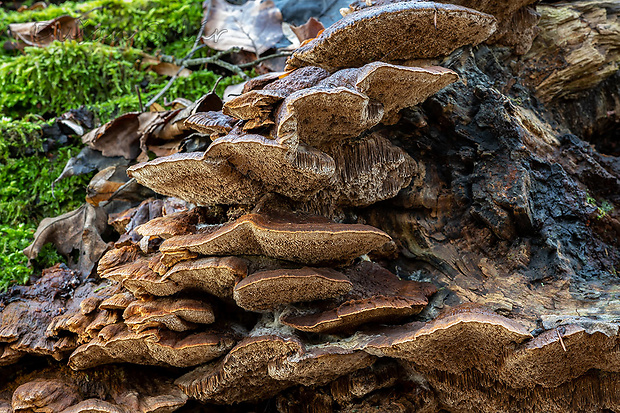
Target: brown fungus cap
(257, 105)
(377, 33)
(269, 361)
(301, 78)
(377, 295)
(308, 240)
(116, 257)
(320, 364)
(211, 123)
(179, 223)
(501, 9)
(117, 343)
(561, 355)
(214, 275)
(322, 116)
(194, 179)
(94, 406)
(138, 278)
(170, 259)
(254, 106)
(242, 375)
(466, 337)
(118, 301)
(176, 314)
(398, 87)
(261, 81)
(297, 172)
(44, 395)
(266, 290)
(368, 170)
(395, 87)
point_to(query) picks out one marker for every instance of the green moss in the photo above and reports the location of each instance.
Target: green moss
(26, 188)
(139, 23)
(25, 198)
(18, 137)
(603, 209)
(66, 75)
(13, 268)
(198, 83)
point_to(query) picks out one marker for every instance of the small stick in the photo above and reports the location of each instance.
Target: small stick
(262, 59)
(165, 89)
(560, 337)
(139, 98)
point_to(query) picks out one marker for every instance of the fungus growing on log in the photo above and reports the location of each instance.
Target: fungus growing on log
(173, 314)
(214, 124)
(376, 295)
(360, 234)
(258, 101)
(298, 238)
(265, 290)
(321, 116)
(397, 87)
(459, 340)
(385, 27)
(296, 173)
(117, 343)
(191, 177)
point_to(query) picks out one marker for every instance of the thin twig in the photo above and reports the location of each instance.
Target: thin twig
(117, 192)
(233, 68)
(262, 59)
(187, 61)
(217, 82)
(210, 59)
(561, 340)
(203, 24)
(165, 89)
(139, 98)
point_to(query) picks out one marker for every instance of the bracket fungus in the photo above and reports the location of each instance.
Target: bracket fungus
(298, 238)
(376, 295)
(265, 290)
(117, 343)
(191, 177)
(383, 29)
(329, 250)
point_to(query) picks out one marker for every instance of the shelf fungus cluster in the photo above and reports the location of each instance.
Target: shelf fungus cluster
(264, 282)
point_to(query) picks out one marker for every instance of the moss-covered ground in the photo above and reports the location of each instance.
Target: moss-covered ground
(100, 73)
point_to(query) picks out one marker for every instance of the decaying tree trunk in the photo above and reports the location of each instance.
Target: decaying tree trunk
(511, 215)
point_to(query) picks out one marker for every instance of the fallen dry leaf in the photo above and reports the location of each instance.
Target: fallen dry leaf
(105, 183)
(87, 161)
(42, 34)
(39, 5)
(172, 126)
(133, 134)
(121, 136)
(134, 217)
(162, 68)
(79, 230)
(255, 26)
(308, 30)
